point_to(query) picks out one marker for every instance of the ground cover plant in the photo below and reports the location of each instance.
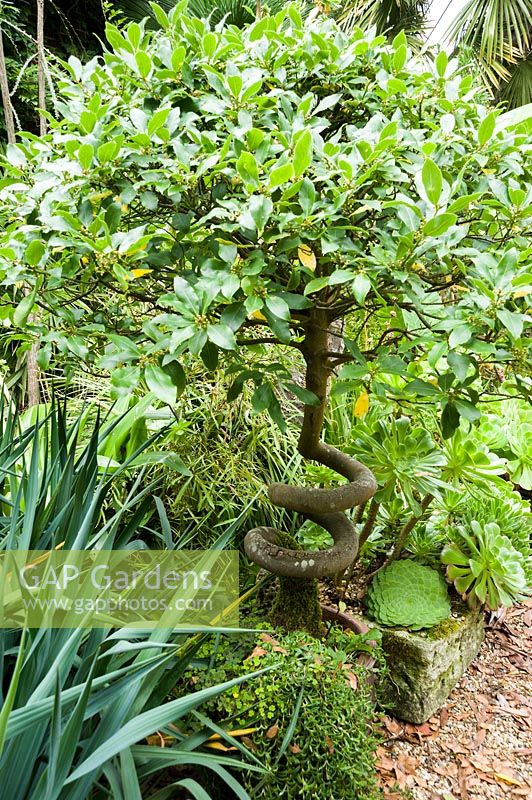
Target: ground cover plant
(321, 745)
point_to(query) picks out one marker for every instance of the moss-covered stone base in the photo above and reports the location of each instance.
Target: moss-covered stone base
(425, 666)
(296, 606)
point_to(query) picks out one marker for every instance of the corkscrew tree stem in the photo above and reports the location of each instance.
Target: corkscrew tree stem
(326, 507)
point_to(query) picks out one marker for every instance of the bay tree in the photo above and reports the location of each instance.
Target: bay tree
(207, 192)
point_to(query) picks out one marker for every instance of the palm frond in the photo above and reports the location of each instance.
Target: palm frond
(139, 9)
(517, 91)
(499, 32)
(386, 16)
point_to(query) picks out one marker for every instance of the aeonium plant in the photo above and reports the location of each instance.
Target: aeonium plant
(205, 190)
(485, 567)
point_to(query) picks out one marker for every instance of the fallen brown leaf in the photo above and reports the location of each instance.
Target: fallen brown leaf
(258, 652)
(352, 680)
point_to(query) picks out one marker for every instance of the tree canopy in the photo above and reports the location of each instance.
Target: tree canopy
(208, 189)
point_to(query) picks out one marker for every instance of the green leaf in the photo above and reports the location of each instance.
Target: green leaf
(439, 224)
(306, 397)
(316, 284)
(450, 420)
(160, 15)
(12, 690)
(87, 121)
(107, 151)
(486, 129)
(160, 383)
(281, 175)
(234, 315)
(360, 287)
(303, 153)
(459, 364)
(222, 335)
(459, 335)
(441, 63)
(124, 380)
(422, 388)
(512, 321)
(85, 155)
(149, 200)
(432, 180)
(307, 196)
(399, 57)
(262, 398)
(260, 209)
(278, 307)
(115, 39)
(209, 356)
(34, 252)
(144, 63)
(157, 120)
(130, 781)
(177, 375)
(248, 169)
(467, 410)
(23, 310)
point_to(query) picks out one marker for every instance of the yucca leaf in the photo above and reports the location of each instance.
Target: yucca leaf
(146, 723)
(13, 685)
(128, 772)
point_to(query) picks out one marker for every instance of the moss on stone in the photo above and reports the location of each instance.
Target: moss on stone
(297, 605)
(445, 628)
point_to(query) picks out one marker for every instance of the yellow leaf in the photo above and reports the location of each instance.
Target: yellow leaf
(522, 292)
(219, 746)
(241, 732)
(507, 779)
(257, 315)
(307, 256)
(139, 273)
(361, 405)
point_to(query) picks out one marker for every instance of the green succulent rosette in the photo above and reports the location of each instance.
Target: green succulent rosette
(410, 595)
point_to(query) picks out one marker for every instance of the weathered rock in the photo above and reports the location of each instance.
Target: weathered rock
(425, 666)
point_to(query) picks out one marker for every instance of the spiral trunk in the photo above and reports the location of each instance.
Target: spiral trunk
(326, 507)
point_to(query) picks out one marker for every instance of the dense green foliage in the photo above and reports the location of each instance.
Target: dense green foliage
(457, 480)
(71, 27)
(75, 701)
(312, 716)
(207, 195)
(408, 595)
(197, 197)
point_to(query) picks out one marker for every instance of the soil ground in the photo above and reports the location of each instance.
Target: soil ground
(479, 745)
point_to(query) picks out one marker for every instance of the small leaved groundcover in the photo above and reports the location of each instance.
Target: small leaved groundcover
(410, 595)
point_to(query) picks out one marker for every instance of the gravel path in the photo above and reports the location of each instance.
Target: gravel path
(480, 743)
